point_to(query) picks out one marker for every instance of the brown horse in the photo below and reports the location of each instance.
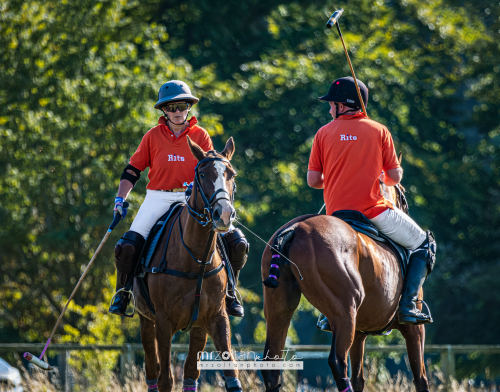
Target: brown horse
(191, 240)
(354, 281)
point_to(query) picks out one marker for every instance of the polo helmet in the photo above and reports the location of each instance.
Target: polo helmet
(175, 90)
(344, 91)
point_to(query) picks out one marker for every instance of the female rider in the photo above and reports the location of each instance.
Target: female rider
(165, 151)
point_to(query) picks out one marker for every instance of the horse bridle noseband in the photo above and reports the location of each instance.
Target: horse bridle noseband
(205, 218)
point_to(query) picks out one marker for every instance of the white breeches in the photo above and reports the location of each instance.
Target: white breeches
(399, 227)
(155, 205)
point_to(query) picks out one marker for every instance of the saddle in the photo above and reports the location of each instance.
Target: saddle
(149, 249)
(143, 267)
(362, 224)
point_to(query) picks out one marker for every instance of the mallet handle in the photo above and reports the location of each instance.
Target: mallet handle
(74, 291)
(352, 71)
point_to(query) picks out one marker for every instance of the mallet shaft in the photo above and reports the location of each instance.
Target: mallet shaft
(74, 291)
(352, 71)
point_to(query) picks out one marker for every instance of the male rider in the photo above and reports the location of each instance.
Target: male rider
(347, 157)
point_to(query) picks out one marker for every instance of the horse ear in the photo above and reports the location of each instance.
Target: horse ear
(196, 150)
(229, 149)
(400, 157)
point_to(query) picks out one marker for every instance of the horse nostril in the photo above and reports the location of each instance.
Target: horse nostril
(233, 214)
(216, 215)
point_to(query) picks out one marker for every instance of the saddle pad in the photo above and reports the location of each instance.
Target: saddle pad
(155, 234)
(362, 224)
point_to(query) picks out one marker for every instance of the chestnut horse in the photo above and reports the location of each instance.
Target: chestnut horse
(354, 281)
(191, 240)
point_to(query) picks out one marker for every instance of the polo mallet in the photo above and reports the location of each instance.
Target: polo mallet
(39, 361)
(334, 19)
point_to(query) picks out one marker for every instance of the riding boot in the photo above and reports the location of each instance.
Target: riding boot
(127, 253)
(233, 306)
(421, 263)
(237, 251)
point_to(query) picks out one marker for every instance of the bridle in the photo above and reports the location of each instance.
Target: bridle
(206, 217)
(400, 191)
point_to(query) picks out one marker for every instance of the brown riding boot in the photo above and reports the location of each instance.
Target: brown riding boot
(127, 253)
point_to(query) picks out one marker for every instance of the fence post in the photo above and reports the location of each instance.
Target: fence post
(448, 363)
(64, 373)
(126, 361)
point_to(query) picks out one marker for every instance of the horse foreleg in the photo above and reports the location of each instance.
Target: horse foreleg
(357, 352)
(219, 330)
(415, 337)
(342, 338)
(148, 343)
(164, 334)
(279, 306)
(197, 342)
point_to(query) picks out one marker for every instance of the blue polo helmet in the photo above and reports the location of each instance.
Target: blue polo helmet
(175, 90)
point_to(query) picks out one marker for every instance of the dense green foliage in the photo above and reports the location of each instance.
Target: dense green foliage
(78, 84)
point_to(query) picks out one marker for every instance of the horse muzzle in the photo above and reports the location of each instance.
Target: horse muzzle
(223, 216)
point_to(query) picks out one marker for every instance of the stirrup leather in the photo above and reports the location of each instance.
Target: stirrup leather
(130, 315)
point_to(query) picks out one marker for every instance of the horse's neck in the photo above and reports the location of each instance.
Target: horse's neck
(195, 235)
(389, 193)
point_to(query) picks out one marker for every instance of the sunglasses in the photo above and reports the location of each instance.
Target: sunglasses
(174, 106)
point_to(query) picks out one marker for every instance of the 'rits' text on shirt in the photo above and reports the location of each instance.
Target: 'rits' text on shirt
(175, 157)
(348, 137)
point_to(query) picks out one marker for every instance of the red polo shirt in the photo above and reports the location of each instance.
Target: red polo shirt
(169, 158)
(351, 152)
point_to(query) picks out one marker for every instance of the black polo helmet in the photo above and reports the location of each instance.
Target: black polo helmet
(175, 90)
(344, 91)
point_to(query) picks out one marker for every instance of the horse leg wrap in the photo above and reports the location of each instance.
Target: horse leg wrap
(275, 389)
(274, 273)
(189, 384)
(127, 251)
(233, 384)
(344, 385)
(152, 385)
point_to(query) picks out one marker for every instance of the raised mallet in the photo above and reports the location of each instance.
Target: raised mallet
(334, 21)
(39, 361)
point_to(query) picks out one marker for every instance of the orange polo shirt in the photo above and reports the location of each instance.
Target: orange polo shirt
(169, 158)
(351, 152)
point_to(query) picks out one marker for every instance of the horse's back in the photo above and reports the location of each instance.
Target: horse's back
(341, 266)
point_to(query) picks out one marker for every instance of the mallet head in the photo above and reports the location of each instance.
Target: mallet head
(36, 361)
(334, 18)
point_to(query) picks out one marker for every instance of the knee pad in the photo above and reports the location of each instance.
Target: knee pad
(127, 251)
(427, 251)
(237, 248)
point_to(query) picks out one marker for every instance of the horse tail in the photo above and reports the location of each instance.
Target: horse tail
(281, 247)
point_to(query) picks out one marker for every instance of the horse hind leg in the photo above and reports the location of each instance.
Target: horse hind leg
(342, 339)
(149, 344)
(279, 306)
(356, 353)
(197, 342)
(415, 337)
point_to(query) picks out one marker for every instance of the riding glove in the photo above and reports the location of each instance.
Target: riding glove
(119, 207)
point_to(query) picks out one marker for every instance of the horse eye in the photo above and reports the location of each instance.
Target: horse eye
(202, 175)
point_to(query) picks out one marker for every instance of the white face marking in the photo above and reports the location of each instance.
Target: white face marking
(220, 182)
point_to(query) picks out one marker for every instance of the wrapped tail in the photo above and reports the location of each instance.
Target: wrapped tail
(280, 248)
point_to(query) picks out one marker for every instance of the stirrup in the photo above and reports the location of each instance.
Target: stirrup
(428, 321)
(130, 315)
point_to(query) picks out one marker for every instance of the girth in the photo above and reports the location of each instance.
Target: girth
(181, 274)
